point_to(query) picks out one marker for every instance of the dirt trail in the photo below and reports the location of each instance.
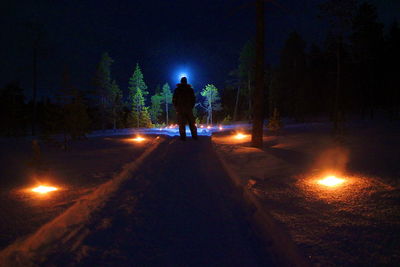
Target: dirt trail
(178, 210)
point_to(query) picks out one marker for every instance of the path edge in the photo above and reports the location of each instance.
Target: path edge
(285, 251)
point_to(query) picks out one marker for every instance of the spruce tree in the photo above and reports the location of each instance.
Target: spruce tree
(246, 71)
(292, 76)
(115, 102)
(155, 110)
(137, 93)
(136, 82)
(102, 83)
(145, 118)
(392, 77)
(12, 118)
(368, 50)
(339, 14)
(140, 112)
(75, 119)
(137, 106)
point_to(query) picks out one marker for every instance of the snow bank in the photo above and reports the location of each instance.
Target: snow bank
(354, 224)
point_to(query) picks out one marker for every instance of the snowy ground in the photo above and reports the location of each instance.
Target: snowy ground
(77, 173)
(357, 223)
(171, 208)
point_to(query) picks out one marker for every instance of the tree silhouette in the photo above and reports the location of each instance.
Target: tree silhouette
(116, 103)
(339, 14)
(103, 84)
(137, 91)
(155, 109)
(258, 109)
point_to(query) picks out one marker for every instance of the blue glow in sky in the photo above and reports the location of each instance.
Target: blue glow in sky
(194, 73)
(183, 74)
(182, 71)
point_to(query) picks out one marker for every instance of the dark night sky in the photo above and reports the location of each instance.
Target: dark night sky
(163, 36)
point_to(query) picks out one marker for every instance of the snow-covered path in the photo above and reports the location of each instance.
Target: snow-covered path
(177, 210)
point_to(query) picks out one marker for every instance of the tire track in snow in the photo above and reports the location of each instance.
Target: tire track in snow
(66, 231)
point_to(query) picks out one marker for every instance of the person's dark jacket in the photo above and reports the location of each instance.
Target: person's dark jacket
(184, 98)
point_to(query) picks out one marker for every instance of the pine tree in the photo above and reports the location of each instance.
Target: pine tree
(75, 119)
(155, 110)
(246, 72)
(339, 14)
(140, 113)
(167, 99)
(392, 78)
(137, 93)
(211, 102)
(368, 47)
(136, 82)
(145, 118)
(76, 116)
(12, 115)
(102, 83)
(292, 76)
(115, 102)
(137, 106)
(258, 96)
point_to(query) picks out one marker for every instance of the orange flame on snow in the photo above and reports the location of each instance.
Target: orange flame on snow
(43, 189)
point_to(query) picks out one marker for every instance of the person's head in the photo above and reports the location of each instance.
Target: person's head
(183, 80)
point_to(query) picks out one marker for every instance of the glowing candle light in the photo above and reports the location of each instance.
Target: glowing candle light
(240, 136)
(331, 181)
(138, 139)
(43, 189)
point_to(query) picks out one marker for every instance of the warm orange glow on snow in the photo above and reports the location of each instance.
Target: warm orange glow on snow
(331, 181)
(43, 189)
(138, 139)
(240, 136)
(339, 187)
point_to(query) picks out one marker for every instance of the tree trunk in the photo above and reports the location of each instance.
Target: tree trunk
(211, 118)
(250, 95)
(258, 109)
(34, 88)
(236, 104)
(115, 121)
(337, 109)
(211, 110)
(138, 116)
(166, 109)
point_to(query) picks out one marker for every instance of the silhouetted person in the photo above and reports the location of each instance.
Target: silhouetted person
(184, 101)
